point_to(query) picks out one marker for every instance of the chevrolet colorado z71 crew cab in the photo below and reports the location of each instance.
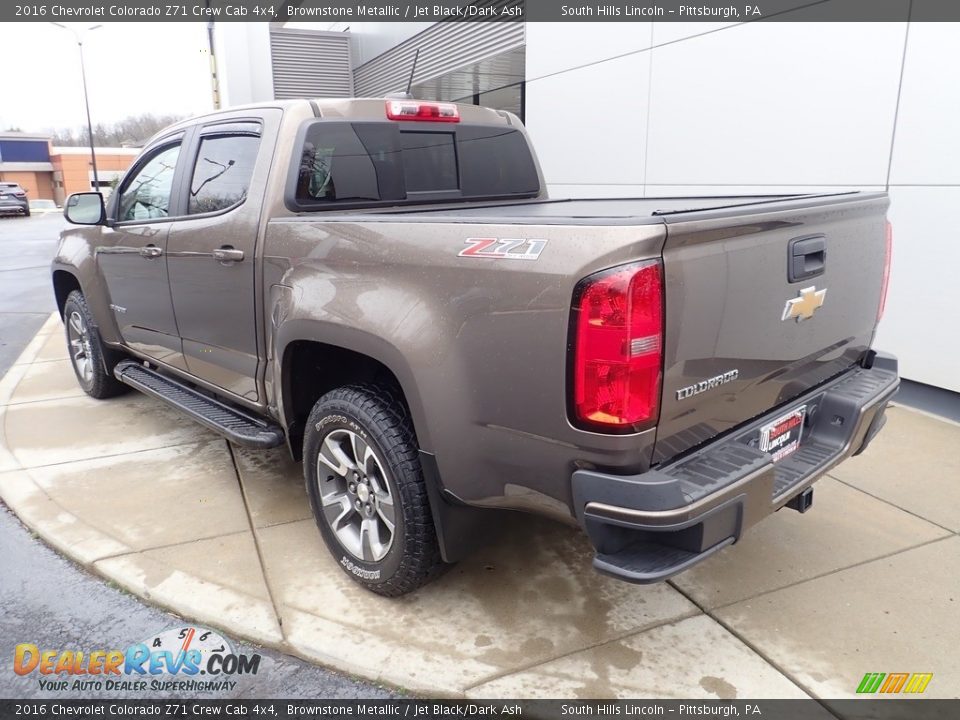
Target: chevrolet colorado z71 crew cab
(384, 286)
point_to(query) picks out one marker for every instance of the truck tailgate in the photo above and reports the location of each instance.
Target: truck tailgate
(735, 347)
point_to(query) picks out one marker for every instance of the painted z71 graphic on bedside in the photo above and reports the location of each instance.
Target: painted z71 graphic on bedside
(503, 248)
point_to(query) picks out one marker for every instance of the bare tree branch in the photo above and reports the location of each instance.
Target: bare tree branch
(132, 131)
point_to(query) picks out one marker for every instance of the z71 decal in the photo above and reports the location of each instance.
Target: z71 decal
(503, 248)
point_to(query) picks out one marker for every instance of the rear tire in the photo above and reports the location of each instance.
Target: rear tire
(87, 351)
(367, 491)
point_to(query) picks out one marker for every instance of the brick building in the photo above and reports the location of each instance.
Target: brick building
(53, 173)
(25, 159)
(73, 171)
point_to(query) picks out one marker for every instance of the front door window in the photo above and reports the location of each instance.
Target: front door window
(146, 196)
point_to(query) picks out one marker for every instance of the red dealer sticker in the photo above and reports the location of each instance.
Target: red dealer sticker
(782, 437)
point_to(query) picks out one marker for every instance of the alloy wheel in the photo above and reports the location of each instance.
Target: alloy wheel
(78, 338)
(355, 496)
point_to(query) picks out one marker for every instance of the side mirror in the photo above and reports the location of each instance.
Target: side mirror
(85, 208)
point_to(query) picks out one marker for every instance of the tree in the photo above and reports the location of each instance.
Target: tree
(132, 131)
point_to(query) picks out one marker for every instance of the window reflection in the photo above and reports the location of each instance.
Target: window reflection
(221, 176)
(147, 194)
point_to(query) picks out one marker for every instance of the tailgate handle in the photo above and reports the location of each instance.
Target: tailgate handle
(806, 257)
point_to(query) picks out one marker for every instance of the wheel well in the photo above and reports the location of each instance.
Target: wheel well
(63, 284)
(312, 369)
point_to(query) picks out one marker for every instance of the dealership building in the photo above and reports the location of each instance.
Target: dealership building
(689, 109)
(53, 173)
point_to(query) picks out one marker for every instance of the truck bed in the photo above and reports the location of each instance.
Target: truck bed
(601, 211)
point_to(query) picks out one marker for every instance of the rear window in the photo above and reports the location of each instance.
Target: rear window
(368, 163)
(429, 161)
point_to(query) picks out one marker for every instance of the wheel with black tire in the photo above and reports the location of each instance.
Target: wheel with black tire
(367, 490)
(87, 351)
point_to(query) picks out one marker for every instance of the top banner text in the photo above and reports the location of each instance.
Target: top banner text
(340, 11)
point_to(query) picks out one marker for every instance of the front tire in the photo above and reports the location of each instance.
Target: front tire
(86, 350)
(367, 490)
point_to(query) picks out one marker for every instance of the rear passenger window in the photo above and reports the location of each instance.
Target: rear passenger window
(388, 163)
(222, 173)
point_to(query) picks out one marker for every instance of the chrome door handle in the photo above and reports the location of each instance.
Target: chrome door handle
(228, 254)
(151, 251)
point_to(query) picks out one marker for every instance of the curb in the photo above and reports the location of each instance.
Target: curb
(107, 558)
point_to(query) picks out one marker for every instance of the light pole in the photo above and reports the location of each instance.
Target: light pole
(86, 101)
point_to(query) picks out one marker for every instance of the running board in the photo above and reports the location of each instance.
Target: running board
(234, 424)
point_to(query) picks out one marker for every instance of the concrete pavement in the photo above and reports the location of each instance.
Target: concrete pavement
(49, 600)
(802, 606)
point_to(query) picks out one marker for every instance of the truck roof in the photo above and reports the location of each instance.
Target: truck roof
(354, 109)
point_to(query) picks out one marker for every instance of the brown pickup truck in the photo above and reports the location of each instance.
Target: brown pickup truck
(384, 286)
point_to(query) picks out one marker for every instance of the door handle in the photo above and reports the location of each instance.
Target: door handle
(151, 251)
(807, 258)
(228, 254)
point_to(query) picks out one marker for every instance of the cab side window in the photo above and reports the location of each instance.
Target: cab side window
(146, 195)
(221, 176)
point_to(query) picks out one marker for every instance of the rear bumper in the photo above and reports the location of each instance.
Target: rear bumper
(651, 526)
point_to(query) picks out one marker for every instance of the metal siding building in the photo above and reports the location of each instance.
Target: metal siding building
(456, 60)
(310, 63)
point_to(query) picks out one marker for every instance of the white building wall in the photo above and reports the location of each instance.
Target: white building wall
(921, 321)
(244, 71)
(660, 109)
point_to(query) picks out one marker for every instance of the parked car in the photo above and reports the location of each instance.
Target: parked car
(385, 287)
(13, 199)
(43, 207)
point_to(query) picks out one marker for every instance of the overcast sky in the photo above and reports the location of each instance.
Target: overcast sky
(132, 68)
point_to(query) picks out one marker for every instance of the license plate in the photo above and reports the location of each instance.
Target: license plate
(782, 437)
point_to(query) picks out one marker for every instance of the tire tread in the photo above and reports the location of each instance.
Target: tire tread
(104, 385)
(421, 560)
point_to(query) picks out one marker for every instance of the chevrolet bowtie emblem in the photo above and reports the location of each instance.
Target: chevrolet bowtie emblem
(803, 307)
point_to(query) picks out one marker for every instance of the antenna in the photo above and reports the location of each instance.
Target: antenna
(413, 70)
(406, 95)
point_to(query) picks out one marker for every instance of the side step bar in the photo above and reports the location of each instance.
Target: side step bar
(234, 424)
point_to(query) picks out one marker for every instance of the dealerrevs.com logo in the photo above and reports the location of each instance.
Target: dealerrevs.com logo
(186, 659)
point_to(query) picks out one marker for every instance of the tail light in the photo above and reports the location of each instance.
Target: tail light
(617, 356)
(423, 111)
(886, 272)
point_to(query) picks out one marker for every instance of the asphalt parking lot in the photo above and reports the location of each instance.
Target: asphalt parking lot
(803, 606)
(26, 299)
